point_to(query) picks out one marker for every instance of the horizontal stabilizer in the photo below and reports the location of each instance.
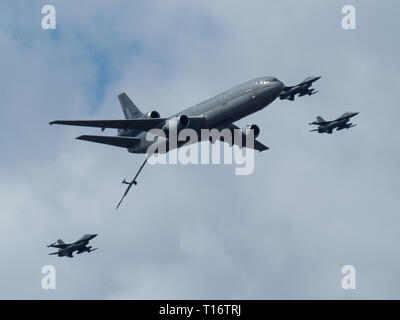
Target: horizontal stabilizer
(118, 141)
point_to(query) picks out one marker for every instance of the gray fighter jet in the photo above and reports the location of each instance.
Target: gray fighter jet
(219, 112)
(339, 124)
(303, 88)
(66, 249)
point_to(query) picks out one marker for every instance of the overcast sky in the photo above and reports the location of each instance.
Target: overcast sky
(313, 204)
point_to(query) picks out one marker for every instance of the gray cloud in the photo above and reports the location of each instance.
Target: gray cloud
(314, 203)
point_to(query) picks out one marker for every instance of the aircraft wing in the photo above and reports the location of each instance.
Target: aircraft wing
(118, 141)
(144, 124)
(323, 123)
(257, 144)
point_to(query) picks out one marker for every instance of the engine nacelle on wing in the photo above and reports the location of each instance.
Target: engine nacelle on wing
(148, 115)
(151, 115)
(246, 130)
(177, 123)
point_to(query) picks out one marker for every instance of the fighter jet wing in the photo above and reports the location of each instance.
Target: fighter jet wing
(257, 144)
(136, 124)
(118, 141)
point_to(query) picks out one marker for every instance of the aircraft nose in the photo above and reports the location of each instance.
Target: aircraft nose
(277, 87)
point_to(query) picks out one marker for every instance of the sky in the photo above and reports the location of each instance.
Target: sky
(314, 203)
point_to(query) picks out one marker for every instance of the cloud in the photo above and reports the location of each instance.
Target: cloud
(313, 204)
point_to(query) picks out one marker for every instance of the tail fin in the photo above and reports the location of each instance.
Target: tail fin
(319, 118)
(131, 111)
(60, 242)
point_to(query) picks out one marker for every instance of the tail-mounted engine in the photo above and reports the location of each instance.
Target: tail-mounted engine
(151, 115)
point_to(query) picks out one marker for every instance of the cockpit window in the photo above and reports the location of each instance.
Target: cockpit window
(266, 81)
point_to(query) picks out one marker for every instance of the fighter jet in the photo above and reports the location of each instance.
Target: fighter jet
(219, 112)
(66, 249)
(340, 123)
(301, 89)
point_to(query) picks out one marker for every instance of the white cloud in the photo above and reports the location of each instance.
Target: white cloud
(314, 203)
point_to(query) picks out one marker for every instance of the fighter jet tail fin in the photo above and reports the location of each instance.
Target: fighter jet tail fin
(131, 111)
(320, 119)
(59, 241)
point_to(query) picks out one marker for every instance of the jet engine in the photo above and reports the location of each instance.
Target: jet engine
(148, 115)
(151, 115)
(246, 130)
(177, 123)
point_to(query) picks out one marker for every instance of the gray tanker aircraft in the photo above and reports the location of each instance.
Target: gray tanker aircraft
(67, 249)
(339, 124)
(219, 112)
(303, 88)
